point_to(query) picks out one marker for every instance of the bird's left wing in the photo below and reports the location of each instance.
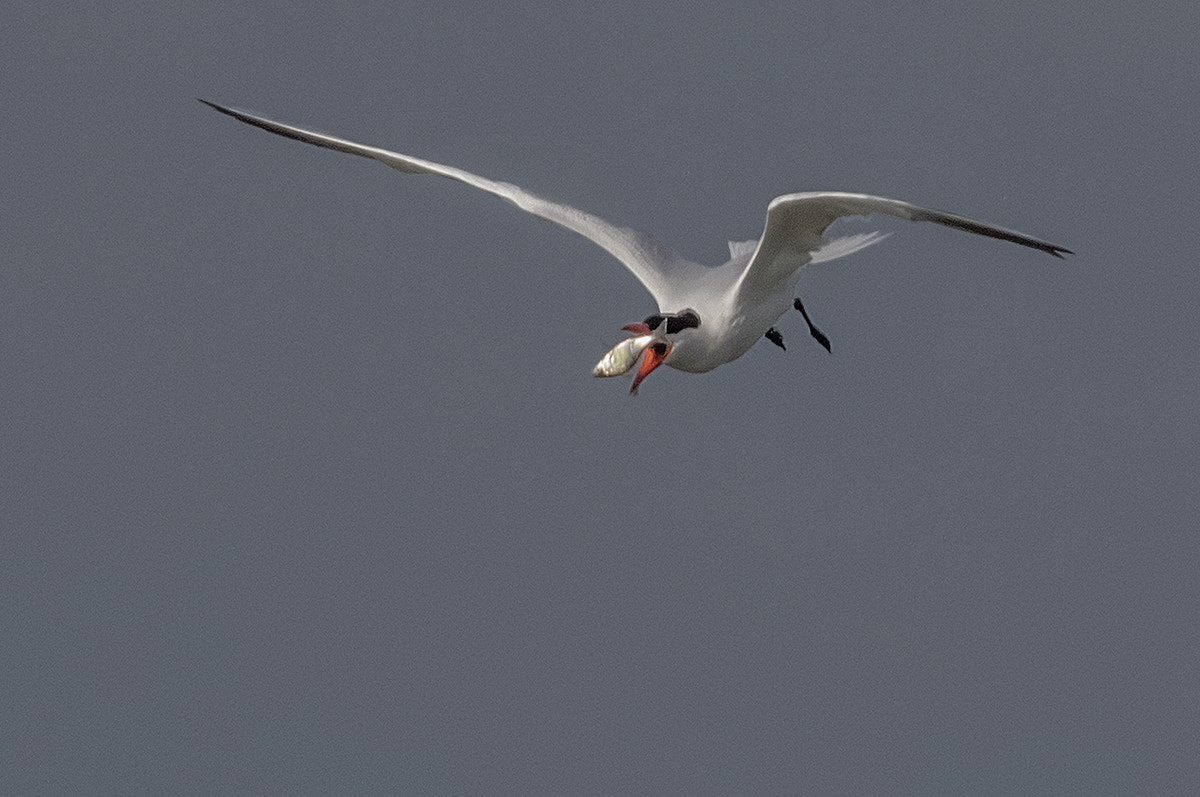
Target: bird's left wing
(649, 259)
(796, 225)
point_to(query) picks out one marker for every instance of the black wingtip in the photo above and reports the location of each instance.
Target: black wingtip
(219, 108)
(1048, 248)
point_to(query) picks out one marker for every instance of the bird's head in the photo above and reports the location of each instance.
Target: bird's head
(653, 341)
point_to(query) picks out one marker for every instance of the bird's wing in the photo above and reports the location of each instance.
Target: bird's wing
(796, 224)
(649, 259)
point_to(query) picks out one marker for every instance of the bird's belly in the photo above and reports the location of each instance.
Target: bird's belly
(701, 353)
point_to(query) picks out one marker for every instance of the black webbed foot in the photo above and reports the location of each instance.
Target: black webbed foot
(816, 333)
(774, 336)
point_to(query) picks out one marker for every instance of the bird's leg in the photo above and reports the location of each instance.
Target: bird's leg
(816, 333)
(774, 336)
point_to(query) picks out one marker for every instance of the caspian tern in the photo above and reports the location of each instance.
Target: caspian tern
(707, 316)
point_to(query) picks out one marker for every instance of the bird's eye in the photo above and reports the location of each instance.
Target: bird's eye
(653, 321)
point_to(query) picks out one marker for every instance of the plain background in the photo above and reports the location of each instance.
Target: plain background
(307, 487)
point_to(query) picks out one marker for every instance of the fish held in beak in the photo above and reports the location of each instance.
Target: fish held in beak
(650, 348)
(623, 356)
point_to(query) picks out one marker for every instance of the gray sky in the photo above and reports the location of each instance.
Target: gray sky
(308, 487)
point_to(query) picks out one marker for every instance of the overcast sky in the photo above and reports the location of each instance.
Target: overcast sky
(307, 486)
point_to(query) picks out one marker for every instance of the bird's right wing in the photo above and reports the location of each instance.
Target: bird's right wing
(645, 256)
(796, 225)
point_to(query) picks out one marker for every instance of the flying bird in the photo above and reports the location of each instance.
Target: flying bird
(707, 316)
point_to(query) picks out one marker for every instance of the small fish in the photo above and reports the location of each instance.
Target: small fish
(623, 356)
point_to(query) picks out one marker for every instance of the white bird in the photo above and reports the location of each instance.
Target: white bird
(707, 316)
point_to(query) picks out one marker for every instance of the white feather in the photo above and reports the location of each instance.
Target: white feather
(846, 245)
(742, 248)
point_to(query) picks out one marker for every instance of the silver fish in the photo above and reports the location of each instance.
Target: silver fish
(623, 356)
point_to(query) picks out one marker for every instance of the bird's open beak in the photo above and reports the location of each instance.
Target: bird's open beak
(650, 348)
(653, 357)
